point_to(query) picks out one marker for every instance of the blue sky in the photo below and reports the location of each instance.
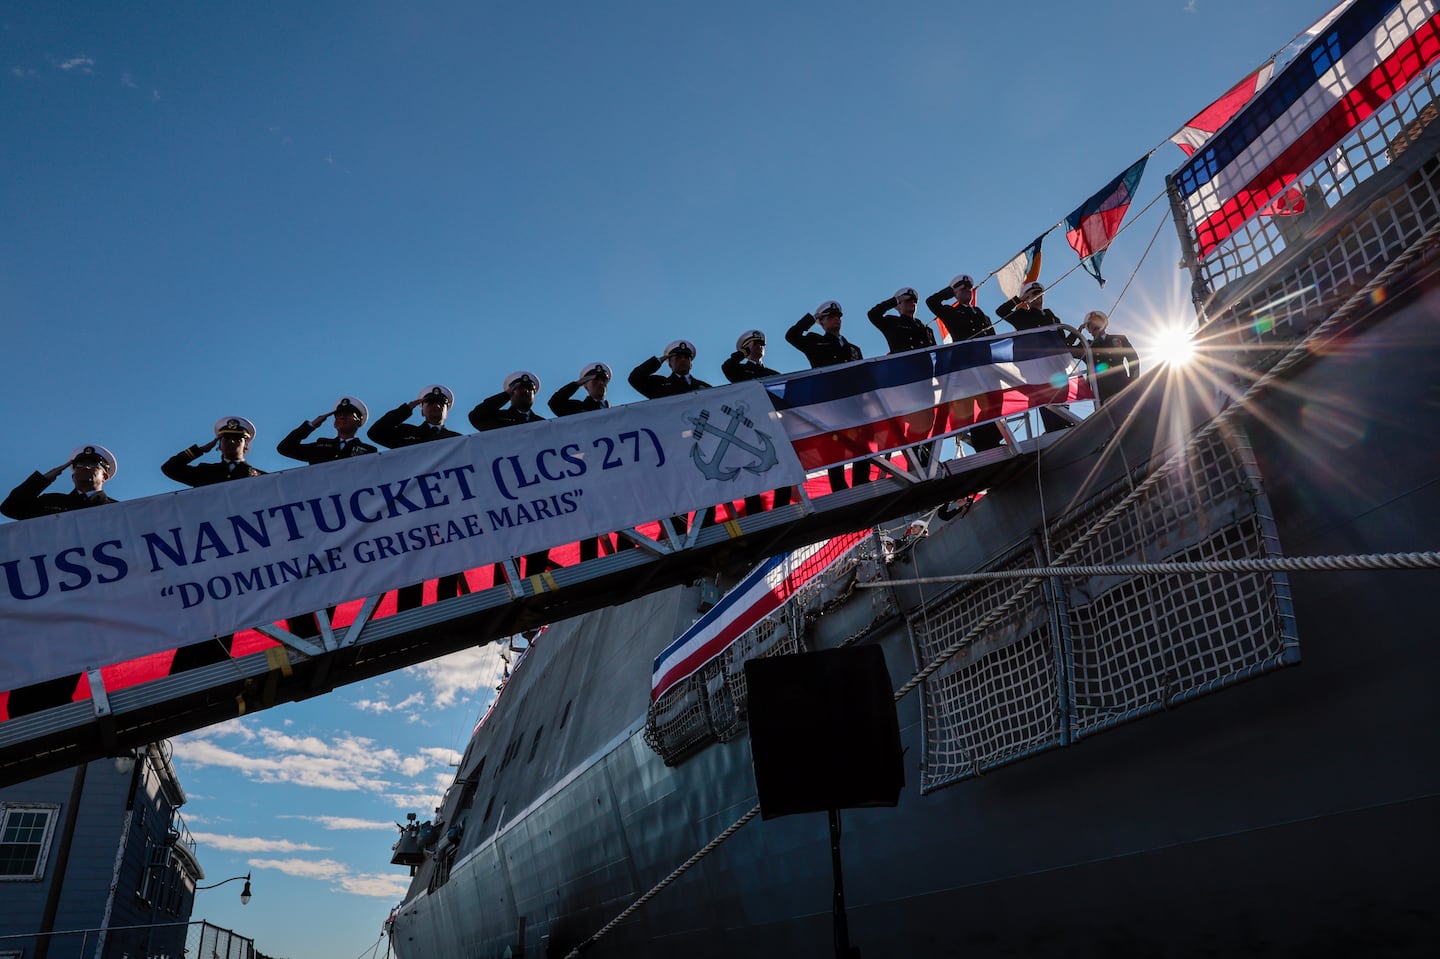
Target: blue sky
(257, 208)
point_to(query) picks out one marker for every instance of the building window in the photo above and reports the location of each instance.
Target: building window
(25, 830)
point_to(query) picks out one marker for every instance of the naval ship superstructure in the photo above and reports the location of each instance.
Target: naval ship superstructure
(1163, 689)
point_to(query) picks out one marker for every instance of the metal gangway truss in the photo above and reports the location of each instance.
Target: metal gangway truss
(299, 668)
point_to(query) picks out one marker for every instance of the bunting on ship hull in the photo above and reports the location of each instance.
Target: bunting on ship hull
(1359, 60)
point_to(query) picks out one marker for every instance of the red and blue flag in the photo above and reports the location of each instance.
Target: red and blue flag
(1091, 228)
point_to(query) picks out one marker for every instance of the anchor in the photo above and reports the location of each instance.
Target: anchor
(711, 468)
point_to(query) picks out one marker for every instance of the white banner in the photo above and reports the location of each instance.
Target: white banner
(100, 586)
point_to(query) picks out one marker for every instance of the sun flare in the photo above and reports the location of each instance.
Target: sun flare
(1175, 347)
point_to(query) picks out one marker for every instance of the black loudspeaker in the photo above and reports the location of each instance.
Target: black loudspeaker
(823, 732)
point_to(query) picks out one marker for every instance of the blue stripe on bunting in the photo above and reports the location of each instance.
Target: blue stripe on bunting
(1282, 93)
(835, 383)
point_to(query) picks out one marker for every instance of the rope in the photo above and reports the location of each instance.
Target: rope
(1279, 564)
(680, 870)
(1298, 353)
(1424, 560)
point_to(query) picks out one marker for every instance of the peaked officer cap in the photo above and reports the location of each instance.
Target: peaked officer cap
(437, 393)
(95, 453)
(353, 403)
(235, 424)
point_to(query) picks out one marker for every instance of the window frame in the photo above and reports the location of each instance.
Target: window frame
(52, 814)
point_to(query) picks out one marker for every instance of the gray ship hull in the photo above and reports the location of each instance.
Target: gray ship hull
(1293, 813)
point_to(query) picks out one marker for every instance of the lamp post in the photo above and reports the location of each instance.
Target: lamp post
(244, 891)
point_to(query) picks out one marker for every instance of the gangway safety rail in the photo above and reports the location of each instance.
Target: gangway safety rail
(300, 668)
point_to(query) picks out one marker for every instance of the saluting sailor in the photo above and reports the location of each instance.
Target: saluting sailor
(392, 432)
(595, 379)
(680, 356)
(965, 321)
(1027, 311)
(904, 332)
(747, 362)
(518, 390)
(828, 349)
(91, 466)
(233, 435)
(350, 414)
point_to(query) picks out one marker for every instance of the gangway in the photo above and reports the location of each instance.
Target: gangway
(915, 478)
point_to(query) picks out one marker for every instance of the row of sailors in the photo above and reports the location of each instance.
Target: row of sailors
(93, 465)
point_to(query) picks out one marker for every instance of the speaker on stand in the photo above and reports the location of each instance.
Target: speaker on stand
(824, 737)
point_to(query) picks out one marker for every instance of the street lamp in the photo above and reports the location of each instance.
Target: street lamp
(244, 892)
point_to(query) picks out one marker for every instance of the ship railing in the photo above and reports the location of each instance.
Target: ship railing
(365, 638)
(709, 705)
(1077, 656)
(1380, 153)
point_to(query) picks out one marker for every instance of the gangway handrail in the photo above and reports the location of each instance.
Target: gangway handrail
(114, 720)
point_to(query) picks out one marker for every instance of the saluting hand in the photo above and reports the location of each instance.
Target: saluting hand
(55, 473)
(210, 445)
(320, 419)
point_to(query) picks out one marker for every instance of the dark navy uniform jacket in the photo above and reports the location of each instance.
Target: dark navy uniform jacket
(738, 369)
(28, 500)
(182, 469)
(646, 381)
(563, 403)
(821, 350)
(392, 432)
(965, 322)
(902, 333)
(323, 450)
(1026, 318)
(489, 414)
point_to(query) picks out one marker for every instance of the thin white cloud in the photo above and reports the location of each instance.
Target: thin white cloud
(1189, 6)
(126, 80)
(82, 63)
(469, 671)
(442, 755)
(338, 875)
(252, 843)
(344, 762)
(344, 822)
(382, 706)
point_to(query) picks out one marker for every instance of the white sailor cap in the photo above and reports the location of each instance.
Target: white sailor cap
(95, 453)
(235, 424)
(592, 370)
(965, 279)
(748, 337)
(679, 346)
(1033, 288)
(907, 291)
(439, 393)
(829, 306)
(521, 376)
(353, 403)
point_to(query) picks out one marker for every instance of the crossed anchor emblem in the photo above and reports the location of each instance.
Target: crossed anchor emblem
(728, 438)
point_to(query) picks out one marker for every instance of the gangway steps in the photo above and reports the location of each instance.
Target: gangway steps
(113, 721)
